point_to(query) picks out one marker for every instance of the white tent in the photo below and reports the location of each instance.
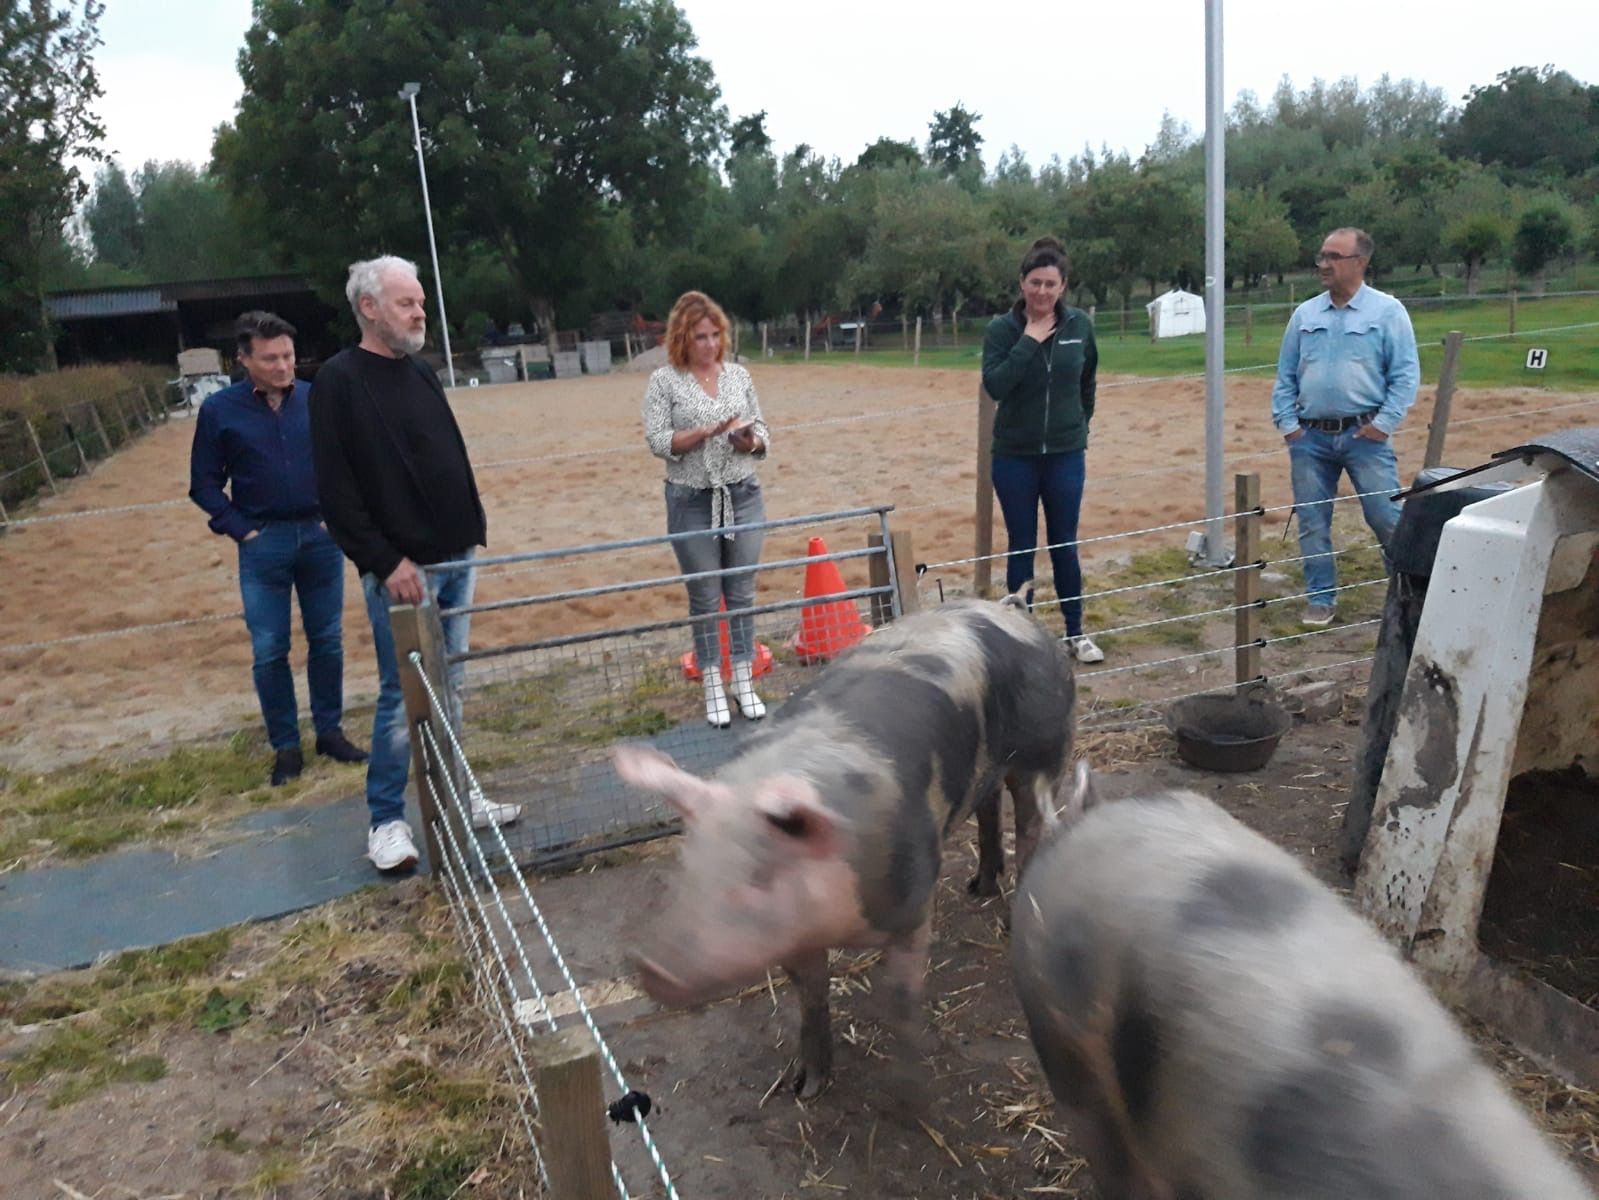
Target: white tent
(1175, 314)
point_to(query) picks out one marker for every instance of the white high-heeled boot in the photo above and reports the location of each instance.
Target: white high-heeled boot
(717, 711)
(750, 704)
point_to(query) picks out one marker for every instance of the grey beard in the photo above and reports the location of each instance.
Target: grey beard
(408, 343)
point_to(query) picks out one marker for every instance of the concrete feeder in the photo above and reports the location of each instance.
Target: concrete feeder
(1501, 678)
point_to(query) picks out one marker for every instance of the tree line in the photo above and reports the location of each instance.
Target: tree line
(581, 162)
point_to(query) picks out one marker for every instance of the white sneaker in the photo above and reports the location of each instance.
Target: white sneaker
(487, 813)
(716, 709)
(1084, 650)
(390, 847)
(749, 703)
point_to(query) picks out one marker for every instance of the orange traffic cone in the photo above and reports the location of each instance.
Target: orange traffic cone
(827, 629)
(763, 655)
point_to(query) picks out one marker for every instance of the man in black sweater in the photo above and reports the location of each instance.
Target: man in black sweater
(397, 493)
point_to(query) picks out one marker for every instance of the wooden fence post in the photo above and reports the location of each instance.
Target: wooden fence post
(1249, 324)
(764, 329)
(1512, 310)
(983, 539)
(1123, 334)
(122, 415)
(575, 1145)
(99, 426)
(417, 628)
(916, 354)
(807, 335)
(736, 324)
(1438, 427)
(83, 459)
(1246, 579)
(904, 575)
(44, 463)
(905, 331)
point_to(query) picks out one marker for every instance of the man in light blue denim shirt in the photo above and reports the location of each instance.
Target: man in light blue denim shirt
(1346, 376)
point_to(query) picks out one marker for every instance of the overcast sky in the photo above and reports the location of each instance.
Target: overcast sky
(1047, 77)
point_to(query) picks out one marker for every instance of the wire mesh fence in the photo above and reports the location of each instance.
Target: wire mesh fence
(554, 1049)
(551, 681)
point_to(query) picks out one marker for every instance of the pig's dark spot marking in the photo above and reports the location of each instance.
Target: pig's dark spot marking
(1358, 1036)
(929, 664)
(1028, 701)
(1068, 965)
(858, 782)
(1310, 1136)
(1135, 1051)
(1244, 897)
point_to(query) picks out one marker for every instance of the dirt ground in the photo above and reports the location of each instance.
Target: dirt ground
(561, 464)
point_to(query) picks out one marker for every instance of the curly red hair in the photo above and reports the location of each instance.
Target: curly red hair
(692, 308)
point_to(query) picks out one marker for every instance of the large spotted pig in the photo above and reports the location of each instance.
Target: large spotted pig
(1217, 1025)
(825, 832)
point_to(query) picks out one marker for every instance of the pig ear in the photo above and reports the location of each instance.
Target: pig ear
(794, 810)
(647, 768)
(1082, 796)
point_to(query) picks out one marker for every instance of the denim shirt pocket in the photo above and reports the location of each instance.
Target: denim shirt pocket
(1314, 338)
(1363, 343)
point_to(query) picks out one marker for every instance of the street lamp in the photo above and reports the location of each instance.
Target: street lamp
(408, 93)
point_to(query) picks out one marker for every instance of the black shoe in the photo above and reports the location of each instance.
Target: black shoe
(287, 765)
(339, 748)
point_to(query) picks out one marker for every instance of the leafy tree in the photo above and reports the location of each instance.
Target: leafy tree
(929, 244)
(886, 152)
(1473, 240)
(540, 123)
(112, 215)
(953, 143)
(1544, 234)
(1538, 120)
(48, 88)
(749, 135)
(1260, 239)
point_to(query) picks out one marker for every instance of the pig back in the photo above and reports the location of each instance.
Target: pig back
(1247, 1033)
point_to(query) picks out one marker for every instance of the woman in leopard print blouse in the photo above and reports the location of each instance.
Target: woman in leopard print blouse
(701, 415)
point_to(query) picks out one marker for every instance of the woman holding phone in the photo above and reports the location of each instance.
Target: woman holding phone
(702, 416)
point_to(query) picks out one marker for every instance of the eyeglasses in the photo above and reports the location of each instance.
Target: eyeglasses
(1328, 256)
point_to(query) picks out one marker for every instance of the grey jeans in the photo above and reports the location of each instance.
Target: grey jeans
(690, 508)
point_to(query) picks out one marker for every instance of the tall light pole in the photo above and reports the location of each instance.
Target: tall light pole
(1216, 553)
(408, 93)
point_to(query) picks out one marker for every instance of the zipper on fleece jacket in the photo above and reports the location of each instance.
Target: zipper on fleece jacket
(1049, 383)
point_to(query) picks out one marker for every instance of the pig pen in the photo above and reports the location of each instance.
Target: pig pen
(981, 1123)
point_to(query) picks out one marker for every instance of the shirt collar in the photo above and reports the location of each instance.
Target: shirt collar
(1354, 301)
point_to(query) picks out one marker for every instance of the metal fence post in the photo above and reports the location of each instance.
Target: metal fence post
(575, 1145)
(1246, 579)
(983, 542)
(417, 629)
(1438, 427)
(895, 567)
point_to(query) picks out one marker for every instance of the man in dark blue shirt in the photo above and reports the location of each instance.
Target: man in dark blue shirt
(256, 434)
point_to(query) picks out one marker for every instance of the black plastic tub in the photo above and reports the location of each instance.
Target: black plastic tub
(1228, 731)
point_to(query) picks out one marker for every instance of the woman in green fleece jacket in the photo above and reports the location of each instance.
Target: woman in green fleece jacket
(1039, 365)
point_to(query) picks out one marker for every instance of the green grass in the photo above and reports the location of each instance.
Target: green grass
(91, 808)
(1573, 354)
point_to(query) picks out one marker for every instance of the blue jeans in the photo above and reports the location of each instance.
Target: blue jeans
(690, 508)
(1317, 459)
(1020, 482)
(296, 556)
(389, 766)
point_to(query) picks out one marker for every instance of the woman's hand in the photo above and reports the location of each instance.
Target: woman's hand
(686, 439)
(744, 439)
(1039, 328)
